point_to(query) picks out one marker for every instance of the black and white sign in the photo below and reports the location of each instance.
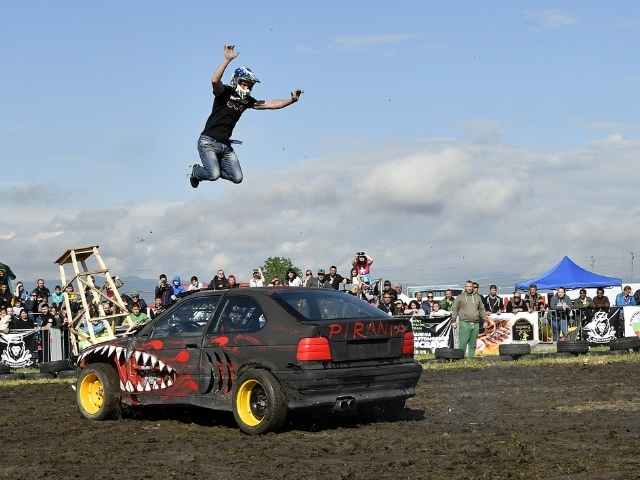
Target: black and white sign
(430, 333)
(19, 348)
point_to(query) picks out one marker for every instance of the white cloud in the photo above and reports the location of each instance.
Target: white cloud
(429, 211)
(550, 19)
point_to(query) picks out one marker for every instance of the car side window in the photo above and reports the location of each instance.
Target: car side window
(238, 314)
(187, 319)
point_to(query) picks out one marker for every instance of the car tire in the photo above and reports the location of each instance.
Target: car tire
(67, 374)
(11, 376)
(625, 343)
(4, 368)
(514, 349)
(576, 347)
(98, 392)
(38, 376)
(450, 353)
(259, 402)
(55, 366)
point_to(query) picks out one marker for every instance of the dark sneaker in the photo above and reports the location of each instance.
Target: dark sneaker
(192, 178)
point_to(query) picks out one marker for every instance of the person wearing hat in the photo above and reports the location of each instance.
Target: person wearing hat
(386, 288)
(135, 299)
(320, 281)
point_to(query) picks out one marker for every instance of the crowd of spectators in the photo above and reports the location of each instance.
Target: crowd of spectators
(20, 309)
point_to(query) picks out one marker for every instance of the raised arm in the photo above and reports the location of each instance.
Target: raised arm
(276, 104)
(216, 78)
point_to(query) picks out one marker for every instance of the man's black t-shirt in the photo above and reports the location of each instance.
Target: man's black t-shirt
(19, 324)
(226, 111)
(48, 319)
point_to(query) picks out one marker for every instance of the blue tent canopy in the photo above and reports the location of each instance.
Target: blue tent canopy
(569, 275)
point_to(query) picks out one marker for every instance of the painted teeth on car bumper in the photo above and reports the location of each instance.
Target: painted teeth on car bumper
(149, 372)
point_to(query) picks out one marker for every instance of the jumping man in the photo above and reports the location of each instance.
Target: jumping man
(214, 145)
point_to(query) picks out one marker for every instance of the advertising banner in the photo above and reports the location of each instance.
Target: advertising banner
(507, 328)
(601, 328)
(19, 348)
(430, 333)
(631, 321)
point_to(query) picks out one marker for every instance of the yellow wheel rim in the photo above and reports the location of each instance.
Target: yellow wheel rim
(251, 402)
(91, 393)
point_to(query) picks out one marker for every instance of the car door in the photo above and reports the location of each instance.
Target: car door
(230, 341)
(166, 362)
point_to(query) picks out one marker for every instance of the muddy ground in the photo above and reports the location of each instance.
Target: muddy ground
(501, 421)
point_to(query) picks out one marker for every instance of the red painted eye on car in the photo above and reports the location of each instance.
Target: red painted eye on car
(314, 348)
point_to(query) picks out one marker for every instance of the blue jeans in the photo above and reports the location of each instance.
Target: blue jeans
(218, 160)
(559, 324)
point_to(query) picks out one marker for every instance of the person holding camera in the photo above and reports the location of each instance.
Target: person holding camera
(164, 291)
(362, 263)
(257, 279)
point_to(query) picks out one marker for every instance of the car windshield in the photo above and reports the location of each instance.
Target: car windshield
(316, 305)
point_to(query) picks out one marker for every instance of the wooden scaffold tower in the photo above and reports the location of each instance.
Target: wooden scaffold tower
(87, 281)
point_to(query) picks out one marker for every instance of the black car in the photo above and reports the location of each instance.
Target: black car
(258, 352)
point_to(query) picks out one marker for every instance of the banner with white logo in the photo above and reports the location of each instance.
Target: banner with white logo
(19, 348)
(601, 328)
(430, 333)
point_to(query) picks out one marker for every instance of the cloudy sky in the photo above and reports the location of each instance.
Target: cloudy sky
(449, 140)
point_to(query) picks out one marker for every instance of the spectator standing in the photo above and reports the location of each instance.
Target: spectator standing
(468, 311)
(583, 302)
(20, 292)
(335, 279)
(135, 317)
(308, 275)
(6, 297)
(177, 286)
(164, 291)
(218, 280)
(516, 304)
(561, 303)
(57, 298)
(232, 283)
(41, 290)
(447, 302)
(601, 301)
(195, 284)
(47, 320)
(320, 281)
(625, 299)
(292, 279)
(23, 322)
(493, 303)
(533, 300)
(401, 296)
(386, 288)
(5, 320)
(386, 304)
(362, 263)
(157, 308)
(424, 305)
(354, 279)
(135, 299)
(257, 279)
(414, 308)
(31, 306)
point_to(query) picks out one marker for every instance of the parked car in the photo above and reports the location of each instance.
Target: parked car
(258, 352)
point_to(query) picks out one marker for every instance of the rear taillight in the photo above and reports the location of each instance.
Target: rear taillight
(315, 348)
(407, 345)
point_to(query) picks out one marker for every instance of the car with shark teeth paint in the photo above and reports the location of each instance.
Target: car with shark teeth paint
(258, 352)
